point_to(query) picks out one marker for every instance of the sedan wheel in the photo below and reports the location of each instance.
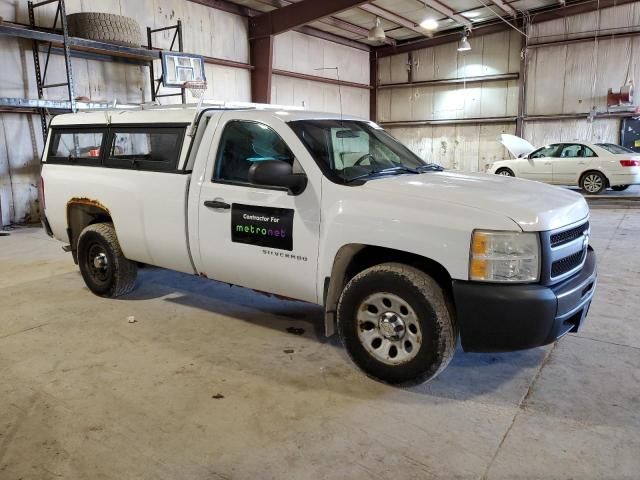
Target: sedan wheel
(593, 183)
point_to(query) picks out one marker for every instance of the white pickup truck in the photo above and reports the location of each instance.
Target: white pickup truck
(329, 209)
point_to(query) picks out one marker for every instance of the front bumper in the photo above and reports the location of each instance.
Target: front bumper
(501, 318)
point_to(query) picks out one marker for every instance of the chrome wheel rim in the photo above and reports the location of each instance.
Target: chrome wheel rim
(504, 173)
(388, 328)
(592, 183)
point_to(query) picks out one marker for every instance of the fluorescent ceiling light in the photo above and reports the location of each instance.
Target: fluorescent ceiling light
(377, 32)
(470, 14)
(429, 24)
(464, 45)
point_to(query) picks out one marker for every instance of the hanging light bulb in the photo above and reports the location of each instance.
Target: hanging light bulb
(464, 45)
(430, 24)
(377, 32)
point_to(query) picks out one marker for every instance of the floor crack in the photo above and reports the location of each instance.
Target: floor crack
(605, 341)
(24, 330)
(520, 407)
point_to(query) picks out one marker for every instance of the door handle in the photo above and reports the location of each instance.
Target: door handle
(217, 204)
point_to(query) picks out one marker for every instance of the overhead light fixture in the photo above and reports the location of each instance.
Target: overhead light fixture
(430, 24)
(470, 14)
(464, 45)
(377, 32)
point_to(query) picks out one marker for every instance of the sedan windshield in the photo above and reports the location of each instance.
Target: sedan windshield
(615, 149)
(348, 150)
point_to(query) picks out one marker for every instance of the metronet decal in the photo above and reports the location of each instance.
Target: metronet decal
(262, 226)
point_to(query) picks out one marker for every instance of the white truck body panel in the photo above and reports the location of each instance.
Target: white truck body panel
(431, 214)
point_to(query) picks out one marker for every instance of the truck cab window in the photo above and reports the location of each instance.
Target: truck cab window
(244, 143)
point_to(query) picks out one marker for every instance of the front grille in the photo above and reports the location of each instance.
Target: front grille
(566, 264)
(567, 236)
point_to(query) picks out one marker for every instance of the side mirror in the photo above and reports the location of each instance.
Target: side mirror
(276, 173)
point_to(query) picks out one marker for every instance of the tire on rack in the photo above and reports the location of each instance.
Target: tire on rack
(396, 324)
(103, 266)
(505, 172)
(593, 182)
(105, 27)
(620, 188)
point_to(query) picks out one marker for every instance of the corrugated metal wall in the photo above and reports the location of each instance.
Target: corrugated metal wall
(574, 78)
(299, 53)
(460, 147)
(563, 79)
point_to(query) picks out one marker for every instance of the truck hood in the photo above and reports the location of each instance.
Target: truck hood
(518, 147)
(532, 205)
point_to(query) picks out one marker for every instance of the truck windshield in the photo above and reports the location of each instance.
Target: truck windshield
(349, 150)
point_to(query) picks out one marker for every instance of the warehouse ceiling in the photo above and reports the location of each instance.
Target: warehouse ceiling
(401, 19)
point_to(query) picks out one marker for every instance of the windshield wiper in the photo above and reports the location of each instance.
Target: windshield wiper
(384, 171)
(430, 167)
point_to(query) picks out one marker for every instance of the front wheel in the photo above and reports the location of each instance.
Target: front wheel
(103, 266)
(620, 188)
(505, 172)
(593, 183)
(396, 325)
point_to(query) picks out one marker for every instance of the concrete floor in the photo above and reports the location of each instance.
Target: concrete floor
(208, 384)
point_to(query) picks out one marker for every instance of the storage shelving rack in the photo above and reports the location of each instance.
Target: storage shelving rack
(55, 40)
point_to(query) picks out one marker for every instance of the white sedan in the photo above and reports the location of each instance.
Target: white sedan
(591, 166)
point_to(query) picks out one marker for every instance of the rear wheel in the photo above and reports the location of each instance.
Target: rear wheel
(505, 172)
(103, 266)
(593, 182)
(395, 324)
(619, 188)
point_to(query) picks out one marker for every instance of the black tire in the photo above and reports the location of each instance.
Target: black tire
(620, 188)
(116, 276)
(105, 27)
(505, 172)
(593, 182)
(426, 305)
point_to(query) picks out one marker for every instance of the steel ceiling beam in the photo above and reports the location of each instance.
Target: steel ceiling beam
(505, 7)
(446, 11)
(296, 15)
(241, 10)
(392, 17)
(331, 21)
(542, 15)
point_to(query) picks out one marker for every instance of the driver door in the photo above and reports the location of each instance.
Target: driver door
(538, 164)
(258, 237)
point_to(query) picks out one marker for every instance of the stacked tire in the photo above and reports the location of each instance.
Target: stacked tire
(105, 27)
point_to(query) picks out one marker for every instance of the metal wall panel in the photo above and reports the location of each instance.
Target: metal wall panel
(296, 52)
(317, 96)
(467, 148)
(545, 132)
(447, 102)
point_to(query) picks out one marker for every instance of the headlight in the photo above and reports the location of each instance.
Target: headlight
(504, 256)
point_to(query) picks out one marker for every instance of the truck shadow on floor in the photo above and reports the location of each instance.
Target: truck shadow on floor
(468, 376)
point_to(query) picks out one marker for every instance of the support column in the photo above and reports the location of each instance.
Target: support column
(261, 52)
(522, 85)
(373, 81)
